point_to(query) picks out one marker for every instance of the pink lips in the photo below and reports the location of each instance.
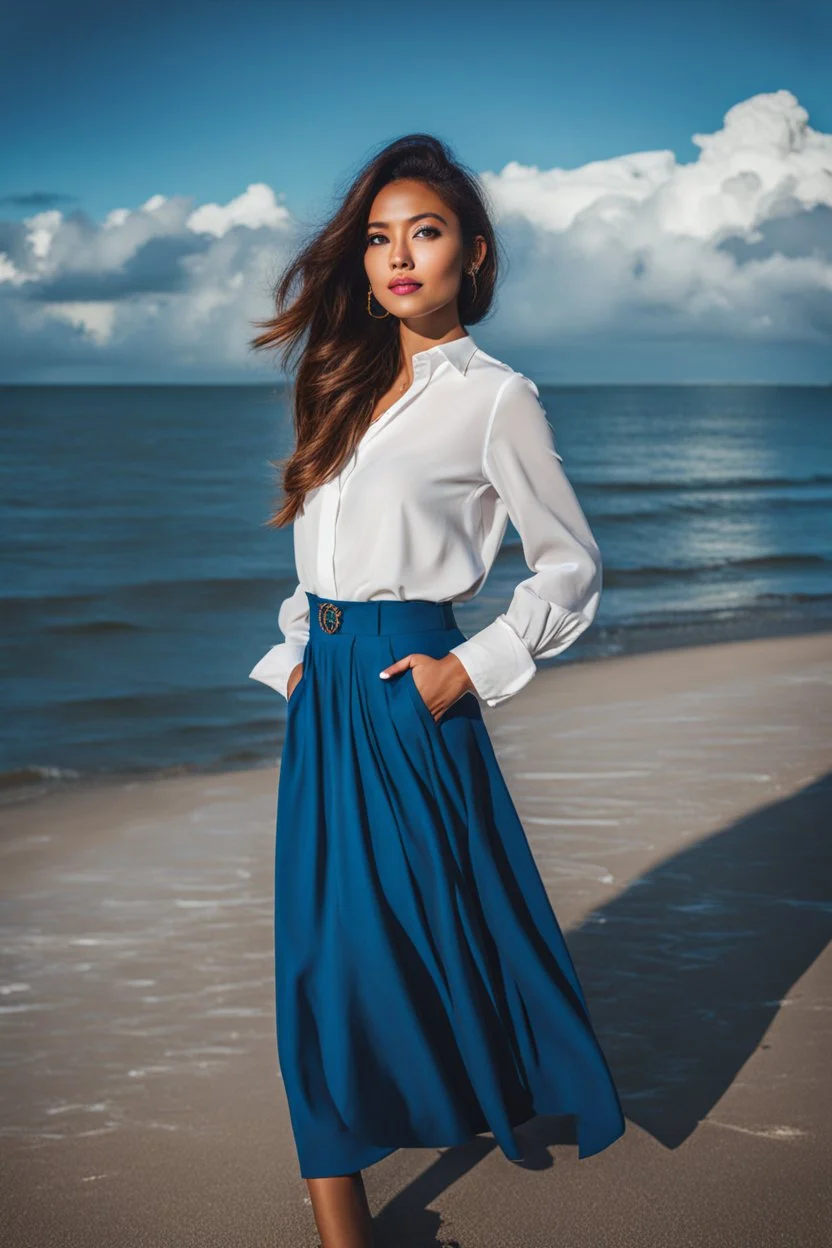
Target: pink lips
(405, 288)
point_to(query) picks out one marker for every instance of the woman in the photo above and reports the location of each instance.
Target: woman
(424, 990)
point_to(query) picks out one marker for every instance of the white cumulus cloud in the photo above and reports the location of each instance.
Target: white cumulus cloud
(641, 249)
(737, 243)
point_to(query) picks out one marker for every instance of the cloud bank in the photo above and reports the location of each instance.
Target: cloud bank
(735, 247)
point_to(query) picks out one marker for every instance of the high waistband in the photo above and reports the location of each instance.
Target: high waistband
(328, 616)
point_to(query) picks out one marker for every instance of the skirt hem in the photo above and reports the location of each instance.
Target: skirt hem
(378, 1153)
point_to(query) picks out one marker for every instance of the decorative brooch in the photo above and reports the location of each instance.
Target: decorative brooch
(329, 617)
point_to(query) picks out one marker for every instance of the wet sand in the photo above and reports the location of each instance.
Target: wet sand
(679, 806)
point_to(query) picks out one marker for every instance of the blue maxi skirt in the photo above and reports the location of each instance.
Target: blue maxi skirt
(424, 991)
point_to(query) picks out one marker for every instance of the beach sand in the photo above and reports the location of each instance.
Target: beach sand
(679, 807)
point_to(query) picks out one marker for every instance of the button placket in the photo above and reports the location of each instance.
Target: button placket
(332, 502)
(326, 552)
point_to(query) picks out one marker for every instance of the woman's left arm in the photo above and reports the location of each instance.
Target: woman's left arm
(551, 609)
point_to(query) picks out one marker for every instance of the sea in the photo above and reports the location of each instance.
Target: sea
(140, 583)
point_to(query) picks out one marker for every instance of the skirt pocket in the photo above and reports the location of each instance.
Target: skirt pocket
(437, 645)
(297, 692)
(422, 708)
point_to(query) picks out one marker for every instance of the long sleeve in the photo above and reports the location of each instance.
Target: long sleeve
(551, 609)
(275, 668)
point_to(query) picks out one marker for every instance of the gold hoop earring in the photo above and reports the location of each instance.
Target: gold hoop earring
(472, 273)
(370, 310)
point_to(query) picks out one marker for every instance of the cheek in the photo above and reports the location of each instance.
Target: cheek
(442, 267)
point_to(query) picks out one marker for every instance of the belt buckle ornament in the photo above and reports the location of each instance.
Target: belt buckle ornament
(329, 617)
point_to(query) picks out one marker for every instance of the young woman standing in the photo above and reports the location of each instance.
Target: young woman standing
(424, 991)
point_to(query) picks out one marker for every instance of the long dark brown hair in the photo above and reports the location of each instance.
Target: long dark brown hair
(349, 359)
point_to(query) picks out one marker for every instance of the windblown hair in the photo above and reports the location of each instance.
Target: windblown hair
(349, 359)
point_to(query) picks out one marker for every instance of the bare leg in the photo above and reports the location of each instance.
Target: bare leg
(341, 1211)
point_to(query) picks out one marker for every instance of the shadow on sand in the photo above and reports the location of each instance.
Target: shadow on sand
(684, 973)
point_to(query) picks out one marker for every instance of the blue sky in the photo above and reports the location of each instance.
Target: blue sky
(127, 123)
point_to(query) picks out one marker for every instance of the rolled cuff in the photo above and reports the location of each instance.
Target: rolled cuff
(497, 661)
(275, 667)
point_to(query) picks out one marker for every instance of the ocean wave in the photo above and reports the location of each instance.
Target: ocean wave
(761, 608)
(650, 573)
(17, 777)
(662, 508)
(242, 592)
(94, 628)
(704, 485)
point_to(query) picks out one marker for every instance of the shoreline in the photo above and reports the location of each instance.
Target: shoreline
(13, 796)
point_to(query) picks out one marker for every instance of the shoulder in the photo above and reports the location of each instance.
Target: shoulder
(515, 421)
(500, 380)
(509, 411)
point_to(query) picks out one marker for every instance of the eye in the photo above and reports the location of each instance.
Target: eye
(432, 232)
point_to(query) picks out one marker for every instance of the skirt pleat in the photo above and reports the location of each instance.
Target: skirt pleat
(424, 990)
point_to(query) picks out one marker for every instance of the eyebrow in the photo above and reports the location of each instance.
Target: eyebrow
(383, 225)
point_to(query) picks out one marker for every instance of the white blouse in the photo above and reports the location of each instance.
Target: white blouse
(420, 510)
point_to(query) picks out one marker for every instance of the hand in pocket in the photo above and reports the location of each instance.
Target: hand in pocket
(294, 677)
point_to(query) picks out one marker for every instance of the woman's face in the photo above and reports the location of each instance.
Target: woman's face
(413, 237)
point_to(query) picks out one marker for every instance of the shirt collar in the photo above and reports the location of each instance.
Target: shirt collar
(458, 352)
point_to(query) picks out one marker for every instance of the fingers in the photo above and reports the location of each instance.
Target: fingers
(400, 665)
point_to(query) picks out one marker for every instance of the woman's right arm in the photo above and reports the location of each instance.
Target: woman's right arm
(276, 666)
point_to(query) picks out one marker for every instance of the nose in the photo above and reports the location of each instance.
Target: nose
(400, 257)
